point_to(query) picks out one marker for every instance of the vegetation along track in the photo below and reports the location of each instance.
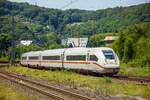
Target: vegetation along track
(132, 78)
(47, 90)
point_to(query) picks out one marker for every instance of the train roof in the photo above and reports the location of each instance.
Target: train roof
(68, 50)
(91, 49)
(83, 50)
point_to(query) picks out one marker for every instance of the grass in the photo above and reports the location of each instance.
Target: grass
(3, 58)
(134, 71)
(8, 93)
(101, 85)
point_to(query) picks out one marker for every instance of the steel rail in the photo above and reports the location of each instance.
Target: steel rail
(31, 87)
(132, 78)
(72, 94)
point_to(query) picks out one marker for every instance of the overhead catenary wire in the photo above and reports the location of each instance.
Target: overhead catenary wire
(70, 3)
(120, 3)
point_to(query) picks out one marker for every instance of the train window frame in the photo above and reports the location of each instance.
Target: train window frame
(94, 58)
(52, 56)
(76, 57)
(109, 57)
(23, 58)
(33, 57)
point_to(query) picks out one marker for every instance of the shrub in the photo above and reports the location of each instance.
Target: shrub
(108, 80)
(133, 45)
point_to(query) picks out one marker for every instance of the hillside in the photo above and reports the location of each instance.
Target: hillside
(31, 19)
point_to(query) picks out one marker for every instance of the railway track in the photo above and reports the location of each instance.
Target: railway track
(4, 63)
(7, 63)
(142, 80)
(46, 90)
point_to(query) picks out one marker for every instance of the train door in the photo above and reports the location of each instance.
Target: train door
(88, 56)
(40, 59)
(62, 59)
(90, 63)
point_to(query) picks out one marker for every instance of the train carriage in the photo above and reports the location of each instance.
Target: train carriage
(52, 58)
(100, 60)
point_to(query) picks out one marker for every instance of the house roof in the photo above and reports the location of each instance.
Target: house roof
(110, 38)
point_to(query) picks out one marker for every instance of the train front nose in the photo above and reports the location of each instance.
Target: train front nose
(112, 70)
(111, 61)
(111, 67)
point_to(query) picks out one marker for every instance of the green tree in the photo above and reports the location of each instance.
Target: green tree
(5, 42)
(133, 45)
(128, 50)
(97, 40)
(24, 48)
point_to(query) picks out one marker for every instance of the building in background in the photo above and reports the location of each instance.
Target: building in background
(75, 42)
(26, 42)
(110, 39)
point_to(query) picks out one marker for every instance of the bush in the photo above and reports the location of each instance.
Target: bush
(108, 80)
(133, 45)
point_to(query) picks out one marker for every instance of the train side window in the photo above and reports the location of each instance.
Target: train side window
(51, 57)
(93, 58)
(24, 58)
(76, 57)
(33, 58)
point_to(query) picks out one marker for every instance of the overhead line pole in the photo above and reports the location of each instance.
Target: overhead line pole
(12, 59)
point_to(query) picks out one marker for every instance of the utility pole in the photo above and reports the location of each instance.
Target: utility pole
(120, 3)
(12, 59)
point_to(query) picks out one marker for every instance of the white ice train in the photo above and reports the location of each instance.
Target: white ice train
(100, 60)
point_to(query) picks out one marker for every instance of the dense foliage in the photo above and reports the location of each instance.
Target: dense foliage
(38, 20)
(5, 42)
(133, 45)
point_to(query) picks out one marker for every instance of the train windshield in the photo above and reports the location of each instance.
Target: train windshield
(108, 54)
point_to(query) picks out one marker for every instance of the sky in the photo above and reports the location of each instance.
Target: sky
(83, 4)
